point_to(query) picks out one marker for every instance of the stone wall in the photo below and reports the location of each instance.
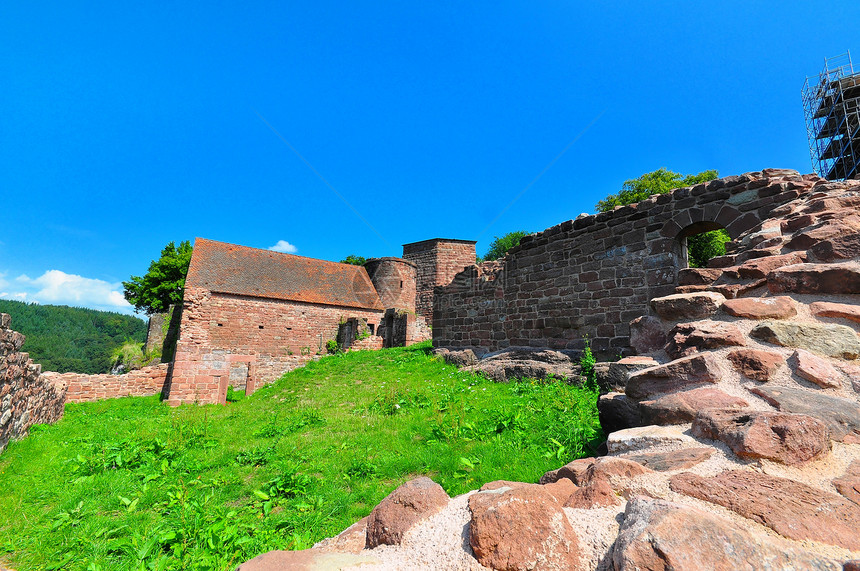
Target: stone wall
(156, 330)
(247, 342)
(162, 332)
(26, 397)
(372, 343)
(394, 280)
(593, 275)
(401, 328)
(437, 262)
(142, 382)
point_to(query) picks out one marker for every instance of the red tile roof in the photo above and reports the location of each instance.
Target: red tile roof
(227, 268)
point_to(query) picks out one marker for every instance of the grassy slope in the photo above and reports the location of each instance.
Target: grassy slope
(133, 484)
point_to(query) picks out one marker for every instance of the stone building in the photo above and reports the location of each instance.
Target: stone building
(249, 315)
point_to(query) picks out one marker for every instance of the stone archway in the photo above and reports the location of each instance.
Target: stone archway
(591, 276)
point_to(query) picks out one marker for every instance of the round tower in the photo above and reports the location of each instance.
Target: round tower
(394, 280)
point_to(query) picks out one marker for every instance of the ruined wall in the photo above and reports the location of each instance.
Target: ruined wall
(142, 382)
(247, 341)
(437, 261)
(372, 343)
(593, 275)
(156, 330)
(26, 397)
(401, 328)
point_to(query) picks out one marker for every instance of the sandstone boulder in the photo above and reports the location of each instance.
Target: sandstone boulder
(306, 560)
(561, 489)
(761, 267)
(731, 291)
(687, 339)
(842, 416)
(456, 356)
(657, 534)
(840, 247)
(645, 437)
(802, 512)
(682, 407)
(782, 437)
(673, 376)
(617, 411)
(780, 307)
(849, 484)
(409, 504)
(595, 494)
(755, 364)
(524, 362)
(647, 334)
(520, 529)
(822, 231)
(617, 372)
(573, 471)
(840, 310)
(816, 370)
(838, 278)
(617, 471)
(687, 305)
(830, 339)
(351, 540)
(698, 276)
(674, 460)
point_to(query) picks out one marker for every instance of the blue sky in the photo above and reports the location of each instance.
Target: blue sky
(123, 128)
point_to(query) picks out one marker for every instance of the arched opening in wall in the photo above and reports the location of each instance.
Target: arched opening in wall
(702, 241)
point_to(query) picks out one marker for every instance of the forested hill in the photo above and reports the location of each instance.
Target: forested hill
(67, 339)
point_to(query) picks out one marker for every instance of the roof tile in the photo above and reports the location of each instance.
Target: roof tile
(228, 268)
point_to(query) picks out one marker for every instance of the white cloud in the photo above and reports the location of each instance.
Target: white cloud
(22, 296)
(57, 287)
(284, 246)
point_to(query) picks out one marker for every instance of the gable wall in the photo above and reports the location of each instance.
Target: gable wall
(224, 335)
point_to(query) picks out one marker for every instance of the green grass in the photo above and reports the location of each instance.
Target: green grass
(133, 484)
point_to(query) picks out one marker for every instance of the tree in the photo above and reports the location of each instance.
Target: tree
(162, 285)
(660, 181)
(701, 247)
(354, 260)
(500, 246)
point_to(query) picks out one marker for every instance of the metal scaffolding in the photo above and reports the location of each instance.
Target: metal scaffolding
(831, 104)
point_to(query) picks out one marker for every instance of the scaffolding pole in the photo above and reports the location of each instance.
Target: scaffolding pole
(831, 105)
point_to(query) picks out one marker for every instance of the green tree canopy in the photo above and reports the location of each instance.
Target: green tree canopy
(65, 339)
(500, 245)
(163, 283)
(701, 247)
(354, 260)
(660, 181)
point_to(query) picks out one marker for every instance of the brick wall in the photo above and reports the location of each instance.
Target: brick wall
(142, 382)
(372, 343)
(593, 275)
(225, 339)
(26, 397)
(437, 261)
